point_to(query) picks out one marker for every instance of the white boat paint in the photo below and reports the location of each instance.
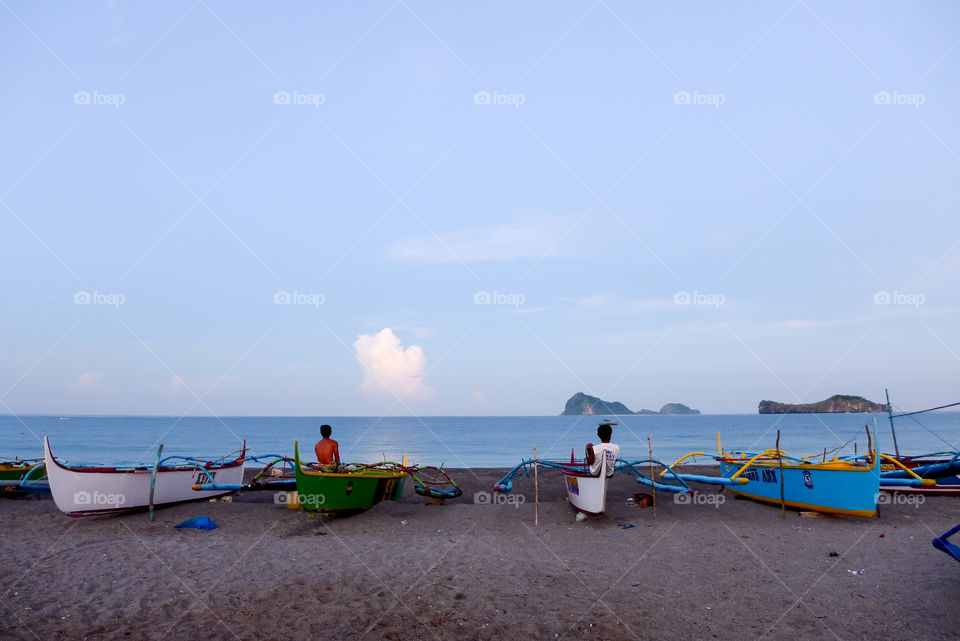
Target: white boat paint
(88, 491)
(585, 492)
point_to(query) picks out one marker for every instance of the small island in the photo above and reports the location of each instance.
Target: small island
(581, 404)
(836, 404)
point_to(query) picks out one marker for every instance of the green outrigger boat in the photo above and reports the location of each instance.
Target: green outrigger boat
(354, 488)
(19, 476)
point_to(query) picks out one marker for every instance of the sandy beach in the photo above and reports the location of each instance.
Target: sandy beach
(716, 568)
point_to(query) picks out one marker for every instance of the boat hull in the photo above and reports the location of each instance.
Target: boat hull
(586, 493)
(345, 493)
(827, 488)
(93, 491)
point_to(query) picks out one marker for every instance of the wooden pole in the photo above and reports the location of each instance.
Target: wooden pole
(893, 430)
(153, 478)
(783, 504)
(653, 488)
(536, 488)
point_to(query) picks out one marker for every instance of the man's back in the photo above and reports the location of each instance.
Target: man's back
(610, 451)
(328, 451)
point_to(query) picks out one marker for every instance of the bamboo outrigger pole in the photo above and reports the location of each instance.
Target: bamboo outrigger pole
(536, 489)
(153, 478)
(783, 504)
(896, 448)
(653, 487)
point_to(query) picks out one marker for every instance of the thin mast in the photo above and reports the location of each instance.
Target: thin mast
(893, 430)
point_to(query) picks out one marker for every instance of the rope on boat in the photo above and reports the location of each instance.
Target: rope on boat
(910, 415)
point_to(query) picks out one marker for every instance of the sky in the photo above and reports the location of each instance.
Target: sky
(422, 208)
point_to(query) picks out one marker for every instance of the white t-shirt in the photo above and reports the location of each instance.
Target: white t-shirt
(611, 451)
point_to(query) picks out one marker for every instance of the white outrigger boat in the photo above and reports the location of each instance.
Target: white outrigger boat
(587, 492)
(85, 491)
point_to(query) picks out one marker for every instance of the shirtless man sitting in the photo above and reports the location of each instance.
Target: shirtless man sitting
(328, 451)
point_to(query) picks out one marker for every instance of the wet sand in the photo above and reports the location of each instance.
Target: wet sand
(718, 568)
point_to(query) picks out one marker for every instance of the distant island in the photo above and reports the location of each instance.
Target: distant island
(581, 404)
(838, 403)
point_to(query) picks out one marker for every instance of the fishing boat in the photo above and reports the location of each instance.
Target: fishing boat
(943, 467)
(323, 492)
(848, 486)
(948, 547)
(356, 487)
(21, 476)
(85, 491)
(587, 492)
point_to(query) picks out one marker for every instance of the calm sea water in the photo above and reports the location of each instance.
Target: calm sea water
(457, 441)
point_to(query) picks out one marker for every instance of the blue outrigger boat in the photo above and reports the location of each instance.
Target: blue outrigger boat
(947, 547)
(845, 486)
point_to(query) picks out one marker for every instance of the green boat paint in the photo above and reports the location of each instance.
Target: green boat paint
(345, 492)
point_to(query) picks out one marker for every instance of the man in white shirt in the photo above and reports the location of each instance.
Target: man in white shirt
(606, 449)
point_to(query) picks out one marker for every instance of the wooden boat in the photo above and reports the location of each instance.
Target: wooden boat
(85, 491)
(353, 489)
(948, 547)
(21, 476)
(838, 486)
(17, 469)
(587, 492)
(943, 467)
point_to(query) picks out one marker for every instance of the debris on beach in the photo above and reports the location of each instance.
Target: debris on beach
(198, 523)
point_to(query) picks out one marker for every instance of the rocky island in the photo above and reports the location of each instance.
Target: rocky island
(838, 403)
(581, 404)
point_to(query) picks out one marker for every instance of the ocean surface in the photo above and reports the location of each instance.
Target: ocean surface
(459, 441)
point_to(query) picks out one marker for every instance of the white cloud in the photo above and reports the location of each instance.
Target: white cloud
(529, 239)
(177, 384)
(390, 368)
(85, 381)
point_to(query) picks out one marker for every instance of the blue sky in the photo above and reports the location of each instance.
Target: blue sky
(441, 209)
